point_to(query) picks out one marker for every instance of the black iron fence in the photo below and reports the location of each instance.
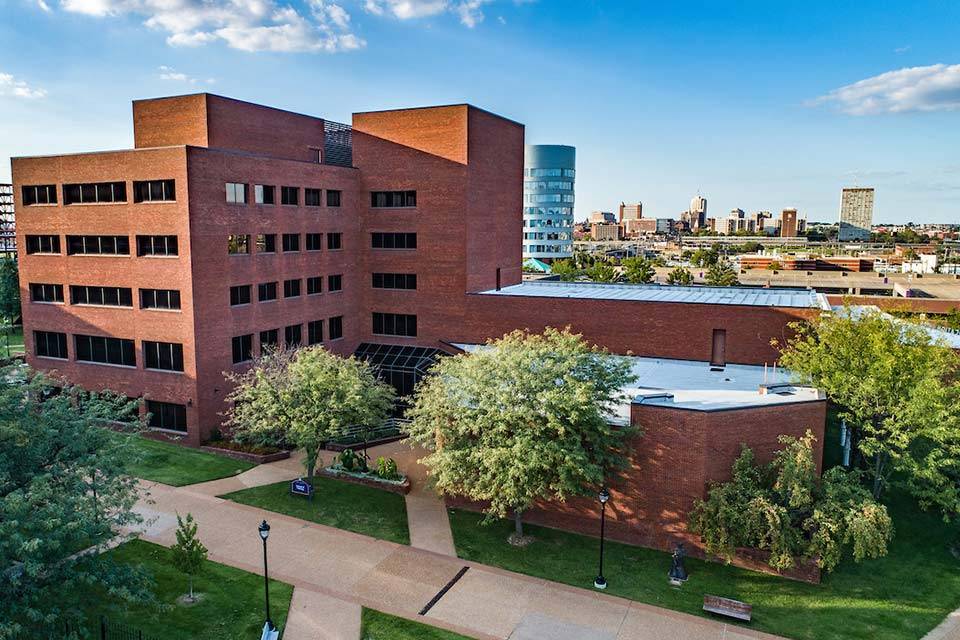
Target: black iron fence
(104, 629)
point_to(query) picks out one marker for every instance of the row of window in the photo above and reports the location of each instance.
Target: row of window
(549, 173)
(163, 356)
(101, 192)
(239, 192)
(266, 291)
(239, 244)
(543, 185)
(539, 198)
(242, 346)
(394, 324)
(104, 245)
(393, 199)
(105, 296)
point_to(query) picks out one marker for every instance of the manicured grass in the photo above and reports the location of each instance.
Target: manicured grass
(901, 596)
(177, 465)
(382, 626)
(15, 341)
(231, 604)
(365, 510)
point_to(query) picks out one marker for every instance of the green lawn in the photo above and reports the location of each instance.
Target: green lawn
(178, 465)
(231, 606)
(335, 503)
(382, 626)
(15, 341)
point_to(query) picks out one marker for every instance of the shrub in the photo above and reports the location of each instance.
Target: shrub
(348, 459)
(387, 468)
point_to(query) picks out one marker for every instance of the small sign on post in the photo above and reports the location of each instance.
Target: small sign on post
(301, 487)
(268, 633)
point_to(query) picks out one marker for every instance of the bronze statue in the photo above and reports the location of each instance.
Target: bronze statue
(677, 571)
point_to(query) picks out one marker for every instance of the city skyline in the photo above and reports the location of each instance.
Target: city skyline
(792, 105)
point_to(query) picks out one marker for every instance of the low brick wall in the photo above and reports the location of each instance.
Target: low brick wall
(401, 488)
(256, 458)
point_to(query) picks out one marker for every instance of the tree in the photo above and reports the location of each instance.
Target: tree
(602, 272)
(680, 276)
(188, 554)
(896, 390)
(638, 270)
(525, 419)
(774, 265)
(305, 397)
(565, 269)
(9, 290)
(705, 257)
(722, 274)
(64, 494)
(783, 508)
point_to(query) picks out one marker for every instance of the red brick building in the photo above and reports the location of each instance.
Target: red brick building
(231, 226)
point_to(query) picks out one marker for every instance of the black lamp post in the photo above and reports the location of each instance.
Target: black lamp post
(264, 530)
(601, 582)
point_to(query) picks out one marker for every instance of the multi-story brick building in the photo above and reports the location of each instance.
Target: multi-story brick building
(231, 227)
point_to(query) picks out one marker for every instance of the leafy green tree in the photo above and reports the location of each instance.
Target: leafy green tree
(638, 270)
(680, 276)
(774, 265)
(305, 397)
(704, 257)
(188, 554)
(722, 274)
(9, 290)
(525, 419)
(565, 269)
(783, 508)
(898, 393)
(64, 494)
(602, 272)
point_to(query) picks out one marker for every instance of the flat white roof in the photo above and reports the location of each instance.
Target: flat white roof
(754, 297)
(937, 334)
(695, 385)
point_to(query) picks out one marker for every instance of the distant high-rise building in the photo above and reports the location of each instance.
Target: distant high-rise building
(602, 216)
(856, 213)
(698, 211)
(630, 216)
(788, 223)
(549, 172)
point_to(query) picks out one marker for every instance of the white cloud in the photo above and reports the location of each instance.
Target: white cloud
(11, 87)
(248, 25)
(171, 74)
(932, 88)
(469, 11)
(903, 49)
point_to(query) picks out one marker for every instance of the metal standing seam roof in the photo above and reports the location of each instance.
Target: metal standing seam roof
(745, 296)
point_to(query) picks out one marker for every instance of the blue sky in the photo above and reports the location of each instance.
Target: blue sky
(757, 105)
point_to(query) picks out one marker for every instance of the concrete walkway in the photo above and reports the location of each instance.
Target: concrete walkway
(949, 629)
(334, 572)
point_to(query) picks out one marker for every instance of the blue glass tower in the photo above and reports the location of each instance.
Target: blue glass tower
(548, 179)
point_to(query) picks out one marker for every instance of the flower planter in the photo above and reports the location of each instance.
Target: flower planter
(401, 487)
(257, 458)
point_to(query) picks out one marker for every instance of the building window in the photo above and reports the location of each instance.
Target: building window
(314, 241)
(263, 194)
(266, 291)
(315, 332)
(39, 194)
(154, 191)
(334, 241)
(268, 339)
(314, 285)
(291, 242)
(333, 198)
(98, 245)
(289, 195)
(242, 348)
(291, 288)
(43, 244)
(293, 335)
(101, 296)
(46, 292)
(335, 283)
(336, 327)
(165, 356)
(167, 415)
(159, 299)
(393, 199)
(92, 193)
(266, 243)
(157, 246)
(380, 240)
(311, 197)
(236, 193)
(100, 350)
(394, 281)
(238, 244)
(50, 344)
(239, 294)
(394, 324)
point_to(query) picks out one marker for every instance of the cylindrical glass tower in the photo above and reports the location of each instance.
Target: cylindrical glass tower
(549, 171)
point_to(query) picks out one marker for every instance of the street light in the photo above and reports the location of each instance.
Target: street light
(264, 530)
(601, 582)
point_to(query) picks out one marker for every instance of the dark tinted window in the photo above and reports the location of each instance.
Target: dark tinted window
(40, 292)
(381, 199)
(242, 348)
(98, 245)
(268, 339)
(393, 240)
(291, 288)
(94, 192)
(315, 331)
(266, 291)
(157, 245)
(159, 299)
(289, 195)
(39, 194)
(291, 242)
(394, 281)
(43, 244)
(311, 197)
(314, 241)
(239, 294)
(103, 350)
(154, 191)
(334, 241)
(167, 356)
(314, 285)
(109, 296)
(335, 282)
(267, 243)
(336, 327)
(333, 198)
(293, 335)
(394, 324)
(167, 415)
(263, 193)
(50, 344)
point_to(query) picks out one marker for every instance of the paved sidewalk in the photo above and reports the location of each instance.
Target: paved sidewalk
(315, 616)
(949, 629)
(361, 571)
